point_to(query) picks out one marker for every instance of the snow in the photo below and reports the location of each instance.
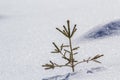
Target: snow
(76, 75)
(100, 32)
(27, 29)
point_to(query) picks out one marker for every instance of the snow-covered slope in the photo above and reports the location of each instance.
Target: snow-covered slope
(27, 28)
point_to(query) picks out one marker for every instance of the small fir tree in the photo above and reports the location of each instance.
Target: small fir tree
(68, 52)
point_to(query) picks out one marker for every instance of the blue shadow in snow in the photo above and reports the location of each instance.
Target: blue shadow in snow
(110, 29)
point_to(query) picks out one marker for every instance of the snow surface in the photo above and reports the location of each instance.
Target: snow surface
(101, 32)
(27, 29)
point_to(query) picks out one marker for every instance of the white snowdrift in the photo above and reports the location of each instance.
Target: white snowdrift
(27, 29)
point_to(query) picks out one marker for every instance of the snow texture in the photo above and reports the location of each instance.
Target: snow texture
(107, 30)
(60, 77)
(82, 72)
(27, 29)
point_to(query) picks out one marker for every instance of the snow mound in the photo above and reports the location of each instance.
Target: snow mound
(107, 30)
